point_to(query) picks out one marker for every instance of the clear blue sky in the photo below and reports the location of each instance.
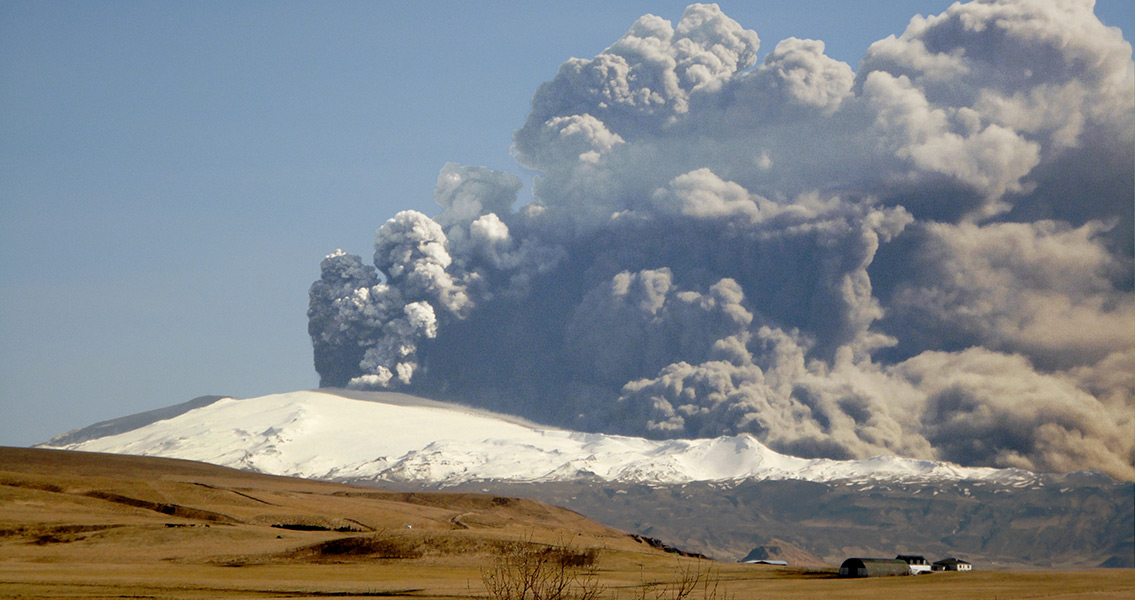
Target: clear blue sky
(171, 173)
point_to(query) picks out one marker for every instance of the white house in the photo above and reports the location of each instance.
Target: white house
(918, 564)
(951, 564)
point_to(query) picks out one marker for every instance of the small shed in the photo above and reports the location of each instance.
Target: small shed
(873, 567)
(951, 564)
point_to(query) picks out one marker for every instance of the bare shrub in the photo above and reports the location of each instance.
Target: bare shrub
(695, 581)
(529, 571)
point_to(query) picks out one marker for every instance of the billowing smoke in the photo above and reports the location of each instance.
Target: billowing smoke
(931, 255)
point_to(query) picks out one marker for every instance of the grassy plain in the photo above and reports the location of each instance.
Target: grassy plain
(76, 525)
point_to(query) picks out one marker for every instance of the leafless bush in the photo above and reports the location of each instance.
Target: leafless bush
(695, 581)
(529, 571)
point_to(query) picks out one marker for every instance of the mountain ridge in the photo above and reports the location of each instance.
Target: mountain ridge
(345, 435)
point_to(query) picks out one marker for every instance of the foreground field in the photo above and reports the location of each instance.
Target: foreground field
(443, 579)
(76, 525)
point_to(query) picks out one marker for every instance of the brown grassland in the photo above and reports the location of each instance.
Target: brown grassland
(78, 525)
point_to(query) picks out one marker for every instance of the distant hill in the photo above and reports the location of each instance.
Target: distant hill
(1065, 524)
(780, 550)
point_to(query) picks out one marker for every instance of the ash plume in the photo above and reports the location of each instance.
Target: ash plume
(928, 255)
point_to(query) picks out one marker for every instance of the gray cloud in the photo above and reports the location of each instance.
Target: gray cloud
(1044, 290)
(991, 408)
(931, 257)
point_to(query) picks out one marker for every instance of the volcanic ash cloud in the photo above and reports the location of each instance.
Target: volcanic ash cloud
(930, 257)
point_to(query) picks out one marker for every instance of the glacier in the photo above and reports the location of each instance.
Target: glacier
(352, 436)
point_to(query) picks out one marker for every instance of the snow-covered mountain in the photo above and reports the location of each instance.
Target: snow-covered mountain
(353, 436)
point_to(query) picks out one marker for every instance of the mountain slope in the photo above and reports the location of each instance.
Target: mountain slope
(1067, 522)
(722, 497)
(352, 436)
(130, 422)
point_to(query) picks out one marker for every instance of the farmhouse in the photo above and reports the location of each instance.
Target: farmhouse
(918, 564)
(951, 564)
(873, 567)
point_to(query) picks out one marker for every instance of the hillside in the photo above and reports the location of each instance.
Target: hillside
(84, 521)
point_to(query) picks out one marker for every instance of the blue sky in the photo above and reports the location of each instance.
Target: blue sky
(172, 173)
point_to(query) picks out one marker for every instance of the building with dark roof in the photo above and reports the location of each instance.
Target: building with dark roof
(918, 564)
(873, 567)
(951, 564)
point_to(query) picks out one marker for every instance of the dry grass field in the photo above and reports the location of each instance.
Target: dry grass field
(76, 525)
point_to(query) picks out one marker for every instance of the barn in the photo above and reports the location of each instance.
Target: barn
(873, 567)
